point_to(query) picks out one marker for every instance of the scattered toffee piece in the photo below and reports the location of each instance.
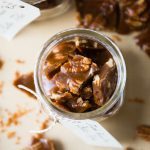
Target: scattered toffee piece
(1, 64)
(137, 100)
(143, 40)
(45, 124)
(79, 75)
(41, 143)
(97, 14)
(26, 80)
(143, 131)
(134, 15)
(18, 138)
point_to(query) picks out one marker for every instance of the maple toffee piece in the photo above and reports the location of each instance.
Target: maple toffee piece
(80, 73)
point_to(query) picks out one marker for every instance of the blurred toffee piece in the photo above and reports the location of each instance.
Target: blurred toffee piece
(123, 16)
(143, 40)
(134, 15)
(25, 80)
(143, 131)
(97, 14)
(80, 73)
(41, 143)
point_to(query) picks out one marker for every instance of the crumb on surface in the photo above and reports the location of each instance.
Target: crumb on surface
(45, 124)
(129, 148)
(137, 100)
(11, 134)
(19, 61)
(14, 117)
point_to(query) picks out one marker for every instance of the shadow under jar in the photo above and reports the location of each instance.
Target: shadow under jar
(80, 74)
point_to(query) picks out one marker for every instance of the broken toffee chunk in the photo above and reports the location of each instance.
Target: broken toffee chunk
(57, 57)
(143, 40)
(143, 131)
(104, 83)
(74, 73)
(97, 14)
(134, 15)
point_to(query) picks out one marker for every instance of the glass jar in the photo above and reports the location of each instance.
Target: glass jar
(115, 101)
(50, 8)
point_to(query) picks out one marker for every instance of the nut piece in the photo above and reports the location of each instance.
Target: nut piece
(104, 83)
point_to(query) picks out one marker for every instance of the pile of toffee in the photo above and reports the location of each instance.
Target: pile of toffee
(123, 16)
(79, 76)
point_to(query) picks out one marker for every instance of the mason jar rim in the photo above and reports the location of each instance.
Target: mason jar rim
(104, 41)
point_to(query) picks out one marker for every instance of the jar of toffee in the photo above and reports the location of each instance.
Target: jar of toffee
(80, 74)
